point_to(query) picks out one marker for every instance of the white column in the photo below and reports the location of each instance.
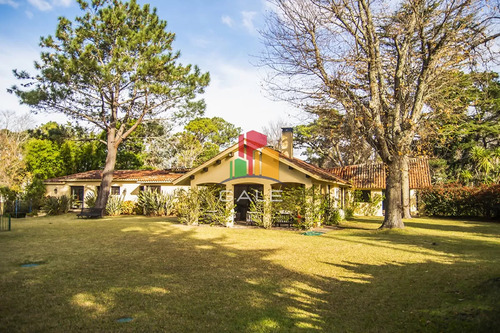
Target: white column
(230, 205)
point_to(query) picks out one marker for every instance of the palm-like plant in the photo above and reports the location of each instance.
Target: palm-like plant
(482, 159)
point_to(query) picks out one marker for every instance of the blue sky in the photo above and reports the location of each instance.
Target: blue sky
(220, 36)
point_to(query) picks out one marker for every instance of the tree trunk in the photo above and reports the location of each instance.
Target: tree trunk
(405, 183)
(107, 174)
(393, 209)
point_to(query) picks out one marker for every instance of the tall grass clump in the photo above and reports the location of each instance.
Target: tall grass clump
(114, 205)
(153, 203)
(56, 205)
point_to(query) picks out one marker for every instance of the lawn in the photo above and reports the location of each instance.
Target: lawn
(434, 276)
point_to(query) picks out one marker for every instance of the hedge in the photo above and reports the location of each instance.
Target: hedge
(461, 201)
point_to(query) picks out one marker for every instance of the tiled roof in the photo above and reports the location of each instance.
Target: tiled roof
(131, 175)
(314, 169)
(372, 176)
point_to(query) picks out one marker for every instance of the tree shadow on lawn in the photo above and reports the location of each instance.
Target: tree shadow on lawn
(486, 228)
(171, 279)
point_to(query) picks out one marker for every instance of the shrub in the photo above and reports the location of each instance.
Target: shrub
(128, 207)
(258, 206)
(187, 205)
(35, 193)
(90, 199)
(153, 203)
(213, 209)
(332, 216)
(56, 205)
(461, 201)
(114, 205)
(349, 213)
(64, 204)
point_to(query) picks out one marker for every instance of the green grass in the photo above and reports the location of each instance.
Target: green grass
(433, 276)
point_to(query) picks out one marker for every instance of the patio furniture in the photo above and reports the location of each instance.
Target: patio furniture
(283, 218)
(253, 218)
(208, 216)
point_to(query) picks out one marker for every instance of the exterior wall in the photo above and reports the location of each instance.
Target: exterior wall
(363, 208)
(413, 202)
(129, 190)
(367, 209)
(219, 173)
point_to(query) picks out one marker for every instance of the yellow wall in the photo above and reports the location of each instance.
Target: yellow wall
(269, 167)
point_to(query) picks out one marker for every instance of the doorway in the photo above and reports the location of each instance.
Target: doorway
(243, 196)
(77, 197)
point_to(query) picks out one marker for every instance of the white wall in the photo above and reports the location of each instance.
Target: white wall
(365, 209)
(127, 189)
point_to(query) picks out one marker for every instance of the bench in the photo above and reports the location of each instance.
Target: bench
(208, 216)
(253, 218)
(283, 219)
(90, 212)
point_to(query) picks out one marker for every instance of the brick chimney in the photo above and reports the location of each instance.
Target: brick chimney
(287, 141)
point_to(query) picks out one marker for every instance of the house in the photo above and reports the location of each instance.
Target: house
(126, 183)
(369, 180)
(251, 167)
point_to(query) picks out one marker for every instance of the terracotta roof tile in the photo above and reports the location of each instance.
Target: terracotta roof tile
(314, 169)
(132, 175)
(372, 176)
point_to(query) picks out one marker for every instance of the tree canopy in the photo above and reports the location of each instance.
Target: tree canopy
(378, 63)
(112, 67)
(202, 139)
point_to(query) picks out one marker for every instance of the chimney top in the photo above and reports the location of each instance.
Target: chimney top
(287, 141)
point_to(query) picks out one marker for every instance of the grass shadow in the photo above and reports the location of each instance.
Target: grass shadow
(186, 279)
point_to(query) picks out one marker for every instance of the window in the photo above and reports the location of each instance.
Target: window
(154, 188)
(362, 195)
(115, 190)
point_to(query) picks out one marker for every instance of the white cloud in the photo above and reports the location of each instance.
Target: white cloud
(11, 3)
(44, 5)
(234, 94)
(62, 3)
(248, 20)
(16, 55)
(41, 5)
(29, 14)
(227, 20)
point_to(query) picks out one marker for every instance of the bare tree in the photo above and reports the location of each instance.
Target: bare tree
(377, 62)
(12, 137)
(331, 140)
(273, 131)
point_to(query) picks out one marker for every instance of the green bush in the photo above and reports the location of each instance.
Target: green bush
(332, 216)
(187, 205)
(90, 199)
(114, 205)
(213, 209)
(129, 207)
(56, 205)
(35, 193)
(258, 206)
(153, 203)
(461, 201)
(349, 213)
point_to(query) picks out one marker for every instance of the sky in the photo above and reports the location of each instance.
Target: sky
(220, 36)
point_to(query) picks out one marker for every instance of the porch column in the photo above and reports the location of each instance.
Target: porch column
(267, 208)
(230, 205)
